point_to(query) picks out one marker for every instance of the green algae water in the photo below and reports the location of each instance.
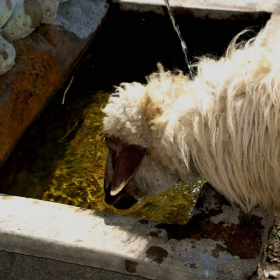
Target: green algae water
(68, 167)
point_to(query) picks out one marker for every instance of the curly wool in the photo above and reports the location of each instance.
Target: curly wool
(224, 125)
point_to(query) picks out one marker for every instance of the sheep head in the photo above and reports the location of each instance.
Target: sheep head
(131, 172)
(139, 135)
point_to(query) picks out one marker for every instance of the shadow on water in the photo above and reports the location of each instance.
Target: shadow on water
(127, 48)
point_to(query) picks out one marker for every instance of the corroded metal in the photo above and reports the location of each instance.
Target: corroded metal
(43, 61)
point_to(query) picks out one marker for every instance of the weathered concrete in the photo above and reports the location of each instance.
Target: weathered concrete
(81, 17)
(212, 8)
(43, 61)
(219, 240)
(17, 266)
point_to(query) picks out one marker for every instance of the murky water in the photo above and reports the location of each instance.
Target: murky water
(70, 169)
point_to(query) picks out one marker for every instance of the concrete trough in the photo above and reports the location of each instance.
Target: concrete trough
(219, 241)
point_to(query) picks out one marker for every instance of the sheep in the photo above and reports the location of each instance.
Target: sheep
(223, 126)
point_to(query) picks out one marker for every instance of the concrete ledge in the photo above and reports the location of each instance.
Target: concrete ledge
(209, 7)
(216, 9)
(219, 240)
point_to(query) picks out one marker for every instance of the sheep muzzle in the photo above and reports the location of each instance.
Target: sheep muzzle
(121, 165)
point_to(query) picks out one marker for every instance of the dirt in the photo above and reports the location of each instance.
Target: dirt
(271, 258)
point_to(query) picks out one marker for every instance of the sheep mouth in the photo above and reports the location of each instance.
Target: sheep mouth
(120, 201)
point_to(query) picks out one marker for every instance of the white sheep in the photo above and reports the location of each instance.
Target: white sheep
(223, 126)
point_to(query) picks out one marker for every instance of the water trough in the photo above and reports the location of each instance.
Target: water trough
(218, 240)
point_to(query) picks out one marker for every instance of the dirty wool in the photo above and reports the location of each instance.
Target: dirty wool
(223, 126)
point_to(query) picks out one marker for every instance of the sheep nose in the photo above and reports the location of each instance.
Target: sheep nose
(106, 187)
(121, 201)
(108, 198)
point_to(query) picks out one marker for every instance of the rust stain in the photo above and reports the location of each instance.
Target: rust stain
(78, 240)
(156, 254)
(7, 197)
(216, 252)
(4, 55)
(40, 69)
(78, 210)
(155, 233)
(30, 90)
(243, 240)
(131, 252)
(36, 202)
(50, 36)
(9, 4)
(33, 9)
(143, 222)
(130, 266)
(193, 244)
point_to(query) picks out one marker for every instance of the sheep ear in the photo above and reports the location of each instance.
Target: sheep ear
(127, 164)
